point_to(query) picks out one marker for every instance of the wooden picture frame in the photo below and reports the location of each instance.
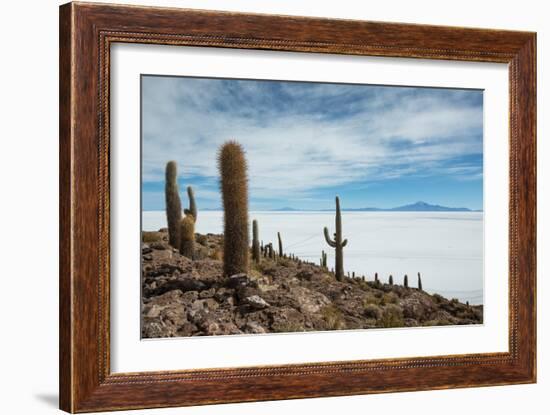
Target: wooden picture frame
(86, 33)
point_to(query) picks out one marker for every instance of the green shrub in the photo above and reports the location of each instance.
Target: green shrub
(389, 298)
(372, 311)
(151, 236)
(392, 316)
(333, 317)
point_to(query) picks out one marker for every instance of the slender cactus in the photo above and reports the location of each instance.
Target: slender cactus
(280, 244)
(192, 205)
(406, 281)
(187, 227)
(255, 242)
(337, 243)
(234, 186)
(419, 282)
(390, 280)
(173, 204)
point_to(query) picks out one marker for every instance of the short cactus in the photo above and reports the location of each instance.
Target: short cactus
(390, 280)
(419, 282)
(406, 281)
(173, 204)
(187, 233)
(234, 187)
(255, 242)
(337, 243)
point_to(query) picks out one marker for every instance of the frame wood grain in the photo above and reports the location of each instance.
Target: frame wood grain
(86, 33)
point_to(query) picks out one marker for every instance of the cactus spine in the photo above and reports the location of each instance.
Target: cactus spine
(337, 243)
(280, 244)
(173, 204)
(234, 187)
(419, 282)
(255, 242)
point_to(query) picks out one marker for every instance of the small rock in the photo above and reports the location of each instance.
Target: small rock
(223, 294)
(207, 293)
(304, 275)
(238, 280)
(182, 284)
(253, 327)
(189, 296)
(148, 257)
(146, 249)
(256, 302)
(153, 312)
(244, 292)
(159, 246)
(187, 329)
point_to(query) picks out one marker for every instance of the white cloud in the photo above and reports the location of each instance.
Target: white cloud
(297, 138)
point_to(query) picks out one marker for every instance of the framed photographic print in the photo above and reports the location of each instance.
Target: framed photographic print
(260, 207)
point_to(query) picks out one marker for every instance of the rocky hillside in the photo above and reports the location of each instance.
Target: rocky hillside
(183, 297)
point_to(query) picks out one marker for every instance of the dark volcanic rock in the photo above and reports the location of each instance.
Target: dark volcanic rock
(238, 280)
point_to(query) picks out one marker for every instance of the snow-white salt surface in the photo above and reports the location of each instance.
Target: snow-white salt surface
(445, 247)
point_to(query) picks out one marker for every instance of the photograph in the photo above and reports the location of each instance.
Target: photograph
(275, 206)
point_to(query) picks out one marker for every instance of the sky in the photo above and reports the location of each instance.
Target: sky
(305, 143)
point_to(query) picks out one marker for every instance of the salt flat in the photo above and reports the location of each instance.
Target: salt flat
(445, 247)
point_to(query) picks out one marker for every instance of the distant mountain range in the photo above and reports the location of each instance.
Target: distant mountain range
(414, 207)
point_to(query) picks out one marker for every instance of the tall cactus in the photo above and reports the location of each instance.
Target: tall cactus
(255, 242)
(187, 233)
(234, 186)
(419, 282)
(323, 259)
(406, 281)
(173, 204)
(337, 243)
(280, 244)
(390, 280)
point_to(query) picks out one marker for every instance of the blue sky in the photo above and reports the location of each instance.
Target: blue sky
(374, 146)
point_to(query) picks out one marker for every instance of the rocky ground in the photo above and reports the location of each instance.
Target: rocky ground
(183, 297)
